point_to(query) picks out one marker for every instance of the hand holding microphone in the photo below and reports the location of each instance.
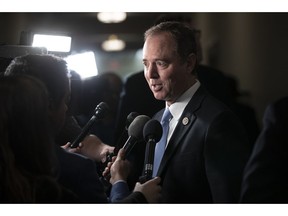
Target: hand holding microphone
(119, 169)
(100, 112)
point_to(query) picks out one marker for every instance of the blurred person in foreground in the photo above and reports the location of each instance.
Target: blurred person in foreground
(77, 172)
(28, 163)
(266, 175)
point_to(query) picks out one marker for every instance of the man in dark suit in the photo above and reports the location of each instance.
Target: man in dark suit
(207, 146)
(266, 174)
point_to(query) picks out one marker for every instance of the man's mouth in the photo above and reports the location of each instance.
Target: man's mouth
(156, 87)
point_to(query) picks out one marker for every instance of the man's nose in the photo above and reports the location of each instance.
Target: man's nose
(152, 71)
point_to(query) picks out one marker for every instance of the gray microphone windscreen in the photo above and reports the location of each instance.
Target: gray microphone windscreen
(136, 127)
(152, 129)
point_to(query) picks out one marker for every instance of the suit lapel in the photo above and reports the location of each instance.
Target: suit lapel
(186, 121)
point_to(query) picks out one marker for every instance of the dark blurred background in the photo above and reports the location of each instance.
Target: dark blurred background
(252, 47)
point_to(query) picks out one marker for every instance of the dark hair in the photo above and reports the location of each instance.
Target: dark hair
(27, 154)
(50, 69)
(183, 18)
(182, 34)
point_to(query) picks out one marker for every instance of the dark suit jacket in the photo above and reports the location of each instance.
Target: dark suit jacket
(266, 175)
(205, 158)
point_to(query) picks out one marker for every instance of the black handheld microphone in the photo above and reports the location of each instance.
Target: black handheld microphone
(135, 132)
(123, 137)
(99, 113)
(152, 133)
(130, 119)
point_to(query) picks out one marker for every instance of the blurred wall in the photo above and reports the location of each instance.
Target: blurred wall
(252, 47)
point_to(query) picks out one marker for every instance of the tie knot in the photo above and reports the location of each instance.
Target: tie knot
(166, 116)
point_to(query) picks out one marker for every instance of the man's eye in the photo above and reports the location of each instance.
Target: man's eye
(161, 63)
(145, 63)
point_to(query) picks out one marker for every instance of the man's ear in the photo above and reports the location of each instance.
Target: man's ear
(191, 62)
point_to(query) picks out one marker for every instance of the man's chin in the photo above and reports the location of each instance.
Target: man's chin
(157, 96)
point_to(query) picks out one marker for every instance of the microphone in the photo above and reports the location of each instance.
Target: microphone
(135, 132)
(152, 133)
(130, 119)
(124, 135)
(99, 113)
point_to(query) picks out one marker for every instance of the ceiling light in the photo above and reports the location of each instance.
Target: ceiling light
(113, 44)
(112, 17)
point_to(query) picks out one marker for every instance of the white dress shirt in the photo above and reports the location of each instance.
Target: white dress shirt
(178, 107)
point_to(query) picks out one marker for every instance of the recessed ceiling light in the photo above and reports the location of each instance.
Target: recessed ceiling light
(111, 17)
(113, 44)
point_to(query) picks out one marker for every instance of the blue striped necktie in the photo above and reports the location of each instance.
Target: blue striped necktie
(160, 146)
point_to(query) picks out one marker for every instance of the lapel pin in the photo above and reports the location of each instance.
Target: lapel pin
(185, 120)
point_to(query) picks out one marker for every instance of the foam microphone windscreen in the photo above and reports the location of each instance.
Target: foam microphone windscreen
(136, 127)
(152, 130)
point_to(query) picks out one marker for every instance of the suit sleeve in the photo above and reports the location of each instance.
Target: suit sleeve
(135, 197)
(119, 191)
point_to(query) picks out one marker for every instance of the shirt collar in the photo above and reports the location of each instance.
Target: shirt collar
(179, 105)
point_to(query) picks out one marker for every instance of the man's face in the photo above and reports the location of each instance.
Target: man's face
(167, 75)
